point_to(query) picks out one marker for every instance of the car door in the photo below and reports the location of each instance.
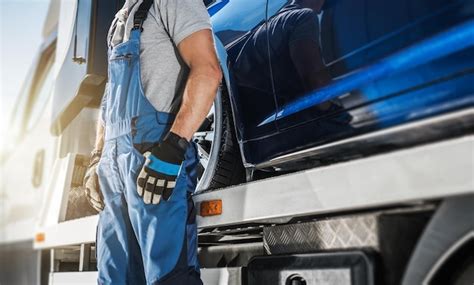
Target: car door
(316, 44)
(239, 25)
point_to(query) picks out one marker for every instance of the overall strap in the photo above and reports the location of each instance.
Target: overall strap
(141, 14)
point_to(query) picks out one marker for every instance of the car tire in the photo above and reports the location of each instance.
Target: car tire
(220, 159)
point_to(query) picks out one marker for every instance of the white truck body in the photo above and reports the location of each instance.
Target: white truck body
(39, 174)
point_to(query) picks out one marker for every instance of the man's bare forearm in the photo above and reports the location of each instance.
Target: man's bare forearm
(200, 91)
(205, 75)
(99, 137)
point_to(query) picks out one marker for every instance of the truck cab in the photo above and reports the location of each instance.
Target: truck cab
(367, 219)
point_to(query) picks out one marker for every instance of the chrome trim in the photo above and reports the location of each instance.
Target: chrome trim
(407, 134)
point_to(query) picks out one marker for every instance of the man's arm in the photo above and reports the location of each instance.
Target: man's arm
(100, 125)
(91, 180)
(99, 137)
(198, 51)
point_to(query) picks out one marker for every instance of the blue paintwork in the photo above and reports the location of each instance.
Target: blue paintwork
(216, 7)
(232, 23)
(451, 41)
(387, 62)
(278, 63)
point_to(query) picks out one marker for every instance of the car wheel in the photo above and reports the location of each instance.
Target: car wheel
(220, 162)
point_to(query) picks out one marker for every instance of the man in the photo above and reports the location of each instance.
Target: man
(163, 76)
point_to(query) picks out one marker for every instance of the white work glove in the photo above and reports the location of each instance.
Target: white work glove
(91, 184)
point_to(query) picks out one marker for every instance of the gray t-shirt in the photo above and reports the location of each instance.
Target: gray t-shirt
(163, 72)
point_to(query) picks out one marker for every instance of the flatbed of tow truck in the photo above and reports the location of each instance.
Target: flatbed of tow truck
(405, 177)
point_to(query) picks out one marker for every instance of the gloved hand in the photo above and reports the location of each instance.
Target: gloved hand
(158, 175)
(91, 183)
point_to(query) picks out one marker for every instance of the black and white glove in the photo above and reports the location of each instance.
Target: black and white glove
(158, 175)
(91, 183)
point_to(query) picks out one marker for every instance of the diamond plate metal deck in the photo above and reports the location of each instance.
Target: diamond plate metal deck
(337, 233)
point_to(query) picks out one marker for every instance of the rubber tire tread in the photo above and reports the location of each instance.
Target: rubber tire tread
(229, 169)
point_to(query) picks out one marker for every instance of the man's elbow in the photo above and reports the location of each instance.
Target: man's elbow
(217, 73)
(212, 71)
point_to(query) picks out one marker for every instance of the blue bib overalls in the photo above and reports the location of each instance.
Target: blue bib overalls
(139, 243)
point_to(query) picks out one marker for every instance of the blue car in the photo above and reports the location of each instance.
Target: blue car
(310, 82)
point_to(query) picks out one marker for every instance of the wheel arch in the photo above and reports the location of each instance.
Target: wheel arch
(445, 236)
(227, 83)
(449, 261)
(222, 56)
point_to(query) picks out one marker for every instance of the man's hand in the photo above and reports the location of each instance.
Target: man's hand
(91, 184)
(163, 164)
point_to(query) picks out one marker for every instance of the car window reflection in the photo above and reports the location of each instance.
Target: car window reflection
(297, 62)
(291, 39)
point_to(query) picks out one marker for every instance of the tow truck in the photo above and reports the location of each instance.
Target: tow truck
(312, 227)
(402, 216)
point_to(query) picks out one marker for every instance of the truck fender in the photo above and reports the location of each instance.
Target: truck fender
(451, 227)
